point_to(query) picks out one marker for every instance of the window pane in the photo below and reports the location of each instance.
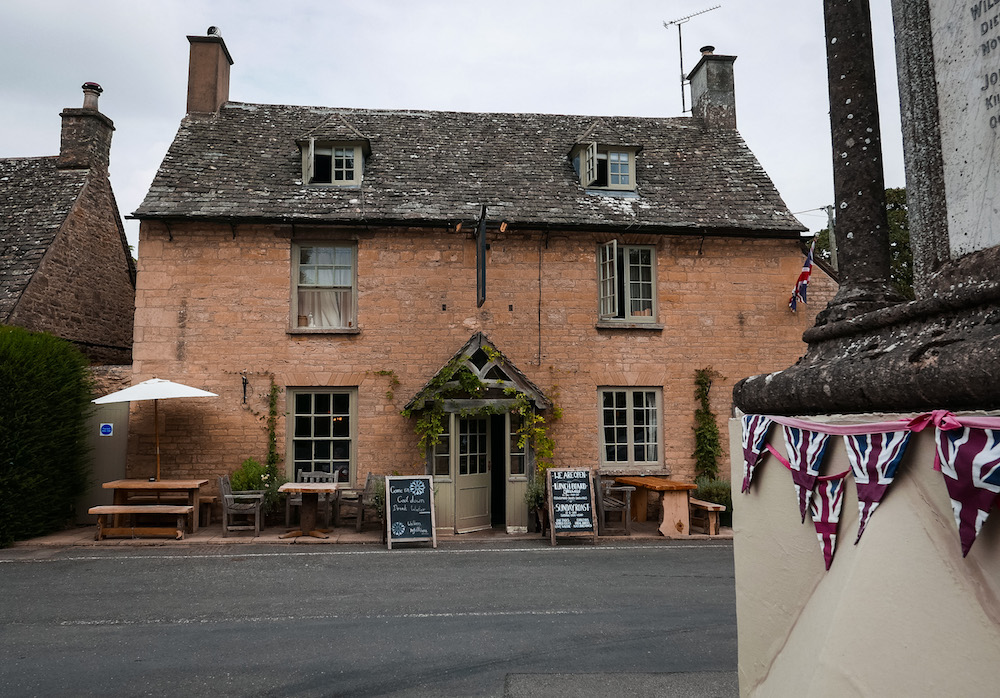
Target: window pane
(323, 403)
(321, 426)
(303, 401)
(341, 403)
(341, 427)
(321, 450)
(303, 426)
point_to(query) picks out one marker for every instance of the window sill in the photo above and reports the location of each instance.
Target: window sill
(624, 325)
(324, 330)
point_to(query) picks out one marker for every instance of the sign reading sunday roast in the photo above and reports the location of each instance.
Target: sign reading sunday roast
(409, 509)
(571, 502)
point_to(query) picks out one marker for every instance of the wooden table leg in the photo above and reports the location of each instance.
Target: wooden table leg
(307, 518)
(195, 500)
(640, 499)
(676, 514)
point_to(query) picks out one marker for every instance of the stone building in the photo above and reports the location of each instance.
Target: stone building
(351, 256)
(65, 265)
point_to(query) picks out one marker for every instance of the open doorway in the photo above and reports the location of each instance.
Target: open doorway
(498, 472)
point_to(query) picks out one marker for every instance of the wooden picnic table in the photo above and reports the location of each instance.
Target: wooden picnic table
(676, 515)
(185, 489)
(310, 492)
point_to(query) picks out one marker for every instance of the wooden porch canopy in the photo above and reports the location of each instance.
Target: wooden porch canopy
(494, 370)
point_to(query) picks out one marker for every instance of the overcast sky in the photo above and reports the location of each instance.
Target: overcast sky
(553, 56)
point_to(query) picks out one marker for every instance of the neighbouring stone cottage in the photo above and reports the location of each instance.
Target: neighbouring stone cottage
(65, 265)
(352, 257)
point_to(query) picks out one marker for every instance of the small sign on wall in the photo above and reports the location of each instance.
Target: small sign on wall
(107, 429)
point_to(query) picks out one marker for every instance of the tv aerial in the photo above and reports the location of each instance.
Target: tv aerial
(680, 46)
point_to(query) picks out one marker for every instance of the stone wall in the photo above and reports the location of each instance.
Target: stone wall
(213, 305)
(82, 290)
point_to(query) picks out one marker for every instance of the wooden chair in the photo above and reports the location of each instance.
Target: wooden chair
(613, 499)
(363, 502)
(240, 505)
(326, 500)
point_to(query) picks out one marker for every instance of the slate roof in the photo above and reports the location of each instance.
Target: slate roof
(438, 167)
(35, 199)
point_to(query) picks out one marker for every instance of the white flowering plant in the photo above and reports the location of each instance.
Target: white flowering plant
(253, 476)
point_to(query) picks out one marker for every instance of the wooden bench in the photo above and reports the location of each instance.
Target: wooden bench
(205, 503)
(182, 512)
(705, 516)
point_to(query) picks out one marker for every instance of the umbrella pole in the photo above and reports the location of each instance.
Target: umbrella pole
(156, 432)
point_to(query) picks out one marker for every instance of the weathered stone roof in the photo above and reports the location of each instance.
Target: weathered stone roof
(35, 199)
(439, 167)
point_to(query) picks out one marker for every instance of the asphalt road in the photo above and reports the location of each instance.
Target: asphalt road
(462, 620)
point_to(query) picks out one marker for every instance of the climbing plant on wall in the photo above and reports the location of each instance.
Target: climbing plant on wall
(707, 449)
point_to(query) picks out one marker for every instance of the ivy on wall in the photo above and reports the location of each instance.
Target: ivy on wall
(707, 448)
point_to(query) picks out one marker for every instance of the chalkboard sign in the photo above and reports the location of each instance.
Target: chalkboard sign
(409, 509)
(571, 502)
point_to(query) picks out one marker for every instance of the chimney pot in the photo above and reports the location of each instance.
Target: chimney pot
(91, 91)
(707, 50)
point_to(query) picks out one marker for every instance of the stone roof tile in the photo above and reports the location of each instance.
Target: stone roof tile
(439, 167)
(35, 199)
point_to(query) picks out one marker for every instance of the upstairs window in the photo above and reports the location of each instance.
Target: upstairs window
(627, 282)
(603, 167)
(325, 162)
(325, 283)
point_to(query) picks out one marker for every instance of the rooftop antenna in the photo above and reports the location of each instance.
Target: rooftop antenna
(680, 46)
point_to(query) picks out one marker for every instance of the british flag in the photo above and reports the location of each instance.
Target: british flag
(970, 463)
(802, 284)
(825, 504)
(874, 459)
(805, 454)
(755, 428)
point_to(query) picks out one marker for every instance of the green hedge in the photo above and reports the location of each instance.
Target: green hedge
(46, 392)
(719, 491)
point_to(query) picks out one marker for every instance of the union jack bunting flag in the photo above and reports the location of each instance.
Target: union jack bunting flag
(805, 453)
(874, 459)
(825, 504)
(970, 463)
(755, 428)
(802, 284)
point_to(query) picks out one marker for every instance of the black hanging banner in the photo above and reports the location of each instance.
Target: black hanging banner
(571, 502)
(481, 259)
(409, 509)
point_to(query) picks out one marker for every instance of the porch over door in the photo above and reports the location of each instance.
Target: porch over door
(472, 480)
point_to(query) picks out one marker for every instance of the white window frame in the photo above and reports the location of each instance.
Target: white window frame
(629, 411)
(616, 286)
(311, 321)
(297, 420)
(313, 147)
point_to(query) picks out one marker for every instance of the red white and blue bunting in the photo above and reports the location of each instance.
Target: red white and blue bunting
(967, 455)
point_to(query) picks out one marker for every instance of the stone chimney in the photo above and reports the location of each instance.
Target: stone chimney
(208, 73)
(713, 96)
(86, 133)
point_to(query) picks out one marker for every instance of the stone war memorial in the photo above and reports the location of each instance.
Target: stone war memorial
(867, 541)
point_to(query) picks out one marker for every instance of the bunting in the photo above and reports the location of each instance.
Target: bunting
(755, 428)
(970, 463)
(874, 459)
(825, 504)
(805, 453)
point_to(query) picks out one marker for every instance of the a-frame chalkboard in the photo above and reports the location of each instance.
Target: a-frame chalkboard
(571, 502)
(409, 509)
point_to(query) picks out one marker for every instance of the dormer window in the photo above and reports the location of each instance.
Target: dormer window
(605, 167)
(330, 162)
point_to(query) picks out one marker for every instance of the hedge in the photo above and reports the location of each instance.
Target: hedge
(46, 391)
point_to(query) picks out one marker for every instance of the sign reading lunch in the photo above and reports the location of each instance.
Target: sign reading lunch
(571, 501)
(409, 509)
(966, 45)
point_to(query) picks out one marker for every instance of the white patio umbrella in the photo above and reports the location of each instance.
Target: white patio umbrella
(154, 389)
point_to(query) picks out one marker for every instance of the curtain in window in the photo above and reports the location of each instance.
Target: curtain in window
(326, 308)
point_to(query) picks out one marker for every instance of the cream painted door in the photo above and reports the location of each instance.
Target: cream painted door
(472, 475)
